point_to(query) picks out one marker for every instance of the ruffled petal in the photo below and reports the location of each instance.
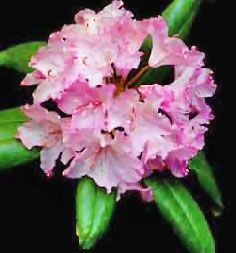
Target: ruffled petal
(32, 134)
(49, 156)
(109, 166)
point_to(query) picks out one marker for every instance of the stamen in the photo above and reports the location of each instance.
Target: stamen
(114, 71)
(141, 98)
(120, 87)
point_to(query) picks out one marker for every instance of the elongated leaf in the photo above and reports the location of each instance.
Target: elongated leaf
(184, 31)
(18, 57)
(181, 211)
(179, 13)
(12, 152)
(8, 130)
(206, 177)
(12, 115)
(94, 208)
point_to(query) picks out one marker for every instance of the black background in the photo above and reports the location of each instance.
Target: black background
(36, 213)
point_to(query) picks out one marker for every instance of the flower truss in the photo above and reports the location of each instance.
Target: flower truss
(105, 125)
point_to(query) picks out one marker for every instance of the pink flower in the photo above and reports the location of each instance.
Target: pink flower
(110, 161)
(112, 131)
(170, 50)
(151, 131)
(86, 51)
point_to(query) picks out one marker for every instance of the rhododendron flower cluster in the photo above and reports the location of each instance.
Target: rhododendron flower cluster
(105, 126)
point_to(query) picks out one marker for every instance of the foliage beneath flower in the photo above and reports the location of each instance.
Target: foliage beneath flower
(94, 209)
(178, 207)
(206, 178)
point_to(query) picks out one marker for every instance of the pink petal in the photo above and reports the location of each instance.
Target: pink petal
(32, 134)
(48, 156)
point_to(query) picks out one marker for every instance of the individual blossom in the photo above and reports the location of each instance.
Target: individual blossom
(45, 130)
(109, 160)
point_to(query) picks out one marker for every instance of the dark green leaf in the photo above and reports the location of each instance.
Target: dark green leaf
(18, 57)
(12, 152)
(155, 75)
(180, 210)
(206, 177)
(94, 208)
(147, 45)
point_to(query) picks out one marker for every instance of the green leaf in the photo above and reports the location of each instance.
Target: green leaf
(12, 115)
(147, 45)
(155, 75)
(184, 31)
(180, 210)
(18, 57)
(94, 209)
(12, 152)
(206, 177)
(179, 15)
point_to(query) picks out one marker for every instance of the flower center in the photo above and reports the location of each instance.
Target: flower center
(121, 83)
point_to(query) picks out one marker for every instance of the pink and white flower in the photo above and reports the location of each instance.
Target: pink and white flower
(109, 131)
(45, 130)
(109, 160)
